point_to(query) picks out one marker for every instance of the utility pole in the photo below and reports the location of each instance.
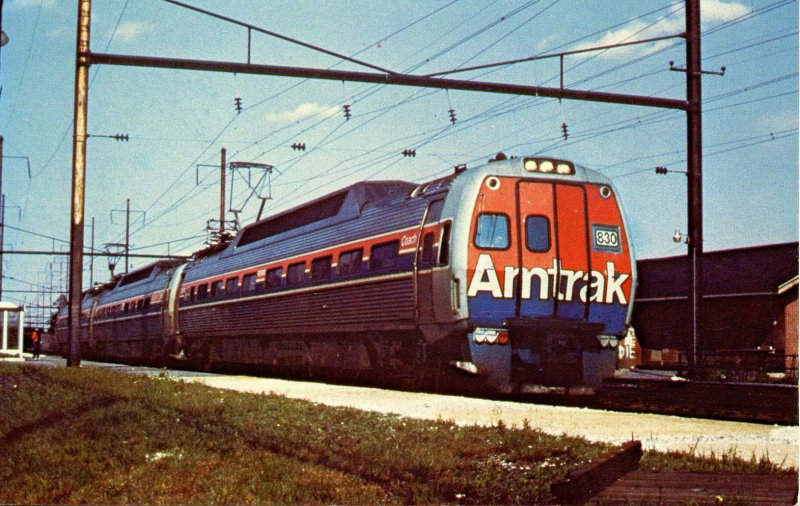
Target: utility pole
(2, 237)
(694, 132)
(222, 194)
(78, 181)
(126, 245)
(2, 216)
(127, 233)
(91, 258)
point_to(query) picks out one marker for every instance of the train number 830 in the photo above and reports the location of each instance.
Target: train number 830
(606, 238)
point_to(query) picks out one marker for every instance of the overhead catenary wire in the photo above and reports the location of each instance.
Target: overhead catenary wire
(531, 3)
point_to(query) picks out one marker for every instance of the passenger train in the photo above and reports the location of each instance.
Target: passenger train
(518, 274)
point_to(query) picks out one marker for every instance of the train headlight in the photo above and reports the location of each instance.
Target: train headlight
(549, 166)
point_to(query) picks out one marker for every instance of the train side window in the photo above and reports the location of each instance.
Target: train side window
(125, 308)
(192, 294)
(384, 256)
(274, 278)
(202, 291)
(350, 262)
(491, 231)
(249, 283)
(147, 302)
(216, 288)
(444, 245)
(232, 287)
(426, 254)
(537, 233)
(321, 268)
(296, 274)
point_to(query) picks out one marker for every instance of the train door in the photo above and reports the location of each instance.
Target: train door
(553, 250)
(425, 262)
(493, 254)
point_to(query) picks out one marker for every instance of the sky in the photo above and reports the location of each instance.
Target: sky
(177, 121)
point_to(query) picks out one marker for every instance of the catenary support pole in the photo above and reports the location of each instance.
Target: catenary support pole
(2, 237)
(127, 234)
(2, 217)
(20, 329)
(694, 131)
(91, 258)
(5, 330)
(78, 181)
(222, 193)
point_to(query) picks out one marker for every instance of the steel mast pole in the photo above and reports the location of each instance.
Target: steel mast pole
(223, 153)
(91, 259)
(78, 181)
(694, 131)
(127, 233)
(2, 217)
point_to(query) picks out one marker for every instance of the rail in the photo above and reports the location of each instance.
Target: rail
(745, 366)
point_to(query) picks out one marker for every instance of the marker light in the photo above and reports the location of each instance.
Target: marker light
(547, 166)
(502, 337)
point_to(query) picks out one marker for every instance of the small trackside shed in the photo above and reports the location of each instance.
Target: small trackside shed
(749, 300)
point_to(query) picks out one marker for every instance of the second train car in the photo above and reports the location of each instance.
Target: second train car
(518, 273)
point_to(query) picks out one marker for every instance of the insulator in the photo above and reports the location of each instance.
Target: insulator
(238, 104)
(409, 152)
(347, 114)
(452, 115)
(564, 130)
(299, 146)
(661, 170)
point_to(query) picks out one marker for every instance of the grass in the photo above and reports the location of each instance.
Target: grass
(98, 436)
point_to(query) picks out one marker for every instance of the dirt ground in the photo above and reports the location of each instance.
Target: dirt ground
(659, 432)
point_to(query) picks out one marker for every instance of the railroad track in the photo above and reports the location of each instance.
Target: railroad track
(746, 402)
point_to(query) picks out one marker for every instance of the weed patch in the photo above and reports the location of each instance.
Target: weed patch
(98, 436)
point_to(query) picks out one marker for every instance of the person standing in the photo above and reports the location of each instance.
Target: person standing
(37, 343)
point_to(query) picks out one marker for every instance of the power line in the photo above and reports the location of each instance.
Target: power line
(171, 207)
(347, 133)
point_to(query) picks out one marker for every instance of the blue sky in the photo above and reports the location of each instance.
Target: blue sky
(179, 119)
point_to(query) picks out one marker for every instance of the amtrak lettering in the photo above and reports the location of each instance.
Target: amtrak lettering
(605, 287)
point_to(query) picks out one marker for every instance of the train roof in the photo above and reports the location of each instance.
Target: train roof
(324, 211)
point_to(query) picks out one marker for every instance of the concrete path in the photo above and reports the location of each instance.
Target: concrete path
(659, 432)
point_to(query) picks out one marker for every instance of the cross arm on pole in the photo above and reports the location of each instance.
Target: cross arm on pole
(386, 79)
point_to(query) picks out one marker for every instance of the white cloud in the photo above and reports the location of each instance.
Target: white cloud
(711, 12)
(302, 111)
(719, 11)
(132, 30)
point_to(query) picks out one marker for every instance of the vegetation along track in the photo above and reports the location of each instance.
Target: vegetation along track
(97, 436)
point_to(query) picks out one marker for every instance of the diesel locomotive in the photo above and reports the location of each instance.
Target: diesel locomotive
(518, 274)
